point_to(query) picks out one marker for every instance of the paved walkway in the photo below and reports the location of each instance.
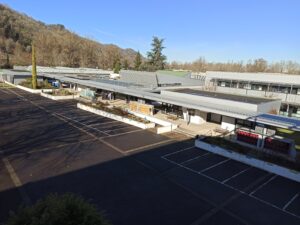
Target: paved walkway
(191, 129)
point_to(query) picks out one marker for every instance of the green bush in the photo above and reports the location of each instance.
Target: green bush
(253, 152)
(61, 92)
(41, 84)
(67, 209)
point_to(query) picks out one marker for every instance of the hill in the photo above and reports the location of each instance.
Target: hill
(56, 46)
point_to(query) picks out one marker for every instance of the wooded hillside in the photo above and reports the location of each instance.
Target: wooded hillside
(55, 45)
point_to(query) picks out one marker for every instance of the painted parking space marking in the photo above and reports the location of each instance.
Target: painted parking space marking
(264, 179)
(122, 128)
(178, 151)
(16, 180)
(262, 185)
(57, 115)
(213, 166)
(102, 123)
(124, 133)
(290, 201)
(197, 157)
(235, 175)
(182, 156)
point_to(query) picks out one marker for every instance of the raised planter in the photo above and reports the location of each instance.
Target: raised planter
(34, 91)
(115, 117)
(165, 125)
(267, 166)
(57, 97)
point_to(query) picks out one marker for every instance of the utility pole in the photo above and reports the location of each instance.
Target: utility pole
(33, 69)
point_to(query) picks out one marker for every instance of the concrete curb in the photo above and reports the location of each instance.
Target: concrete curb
(38, 91)
(270, 167)
(115, 117)
(166, 126)
(57, 98)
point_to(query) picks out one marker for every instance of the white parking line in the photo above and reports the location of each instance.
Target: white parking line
(200, 156)
(215, 165)
(290, 201)
(178, 151)
(235, 175)
(16, 180)
(117, 128)
(115, 135)
(149, 145)
(99, 123)
(68, 122)
(233, 188)
(265, 183)
(58, 114)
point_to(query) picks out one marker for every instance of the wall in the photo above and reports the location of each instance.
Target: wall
(228, 123)
(281, 171)
(116, 117)
(153, 119)
(203, 100)
(268, 107)
(185, 81)
(198, 118)
(68, 97)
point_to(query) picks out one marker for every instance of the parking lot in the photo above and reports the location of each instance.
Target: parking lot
(135, 176)
(276, 191)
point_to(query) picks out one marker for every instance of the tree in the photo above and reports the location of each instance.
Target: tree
(137, 61)
(156, 59)
(125, 64)
(260, 65)
(117, 65)
(33, 69)
(54, 209)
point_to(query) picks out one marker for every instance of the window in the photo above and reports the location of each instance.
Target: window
(245, 123)
(234, 84)
(280, 89)
(244, 85)
(259, 87)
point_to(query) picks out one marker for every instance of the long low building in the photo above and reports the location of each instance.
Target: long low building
(250, 118)
(191, 104)
(269, 85)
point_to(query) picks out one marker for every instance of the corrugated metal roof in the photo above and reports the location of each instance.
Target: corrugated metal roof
(134, 91)
(274, 78)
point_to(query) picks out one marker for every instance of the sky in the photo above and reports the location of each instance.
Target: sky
(218, 30)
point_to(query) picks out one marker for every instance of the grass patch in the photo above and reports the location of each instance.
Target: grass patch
(236, 147)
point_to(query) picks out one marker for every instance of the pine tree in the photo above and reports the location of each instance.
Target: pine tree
(137, 61)
(117, 65)
(34, 75)
(125, 64)
(156, 59)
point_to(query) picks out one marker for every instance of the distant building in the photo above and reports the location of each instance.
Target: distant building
(268, 85)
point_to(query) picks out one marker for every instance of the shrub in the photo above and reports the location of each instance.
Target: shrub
(116, 110)
(67, 209)
(41, 84)
(61, 92)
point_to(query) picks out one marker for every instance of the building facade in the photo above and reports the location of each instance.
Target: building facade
(285, 87)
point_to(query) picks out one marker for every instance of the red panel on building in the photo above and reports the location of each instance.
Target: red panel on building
(247, 137)
(277, 145)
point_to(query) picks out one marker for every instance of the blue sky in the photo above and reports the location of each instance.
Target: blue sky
(219, 30)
